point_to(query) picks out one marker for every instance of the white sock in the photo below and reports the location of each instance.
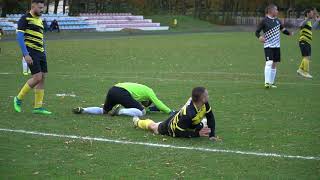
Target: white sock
(131, 112)
(273, 75)
(267, 72)
(24, 65)
(93, 110)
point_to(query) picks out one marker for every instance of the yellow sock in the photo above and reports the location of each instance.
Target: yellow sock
(306, 64)
(302, 65)
(38, 98)
(25, 89)
(144, 124)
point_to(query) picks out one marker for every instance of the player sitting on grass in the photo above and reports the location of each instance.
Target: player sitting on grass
(132, 96)
(305, 40)
(187, 122)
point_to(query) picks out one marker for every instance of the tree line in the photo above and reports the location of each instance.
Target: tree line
(203, 9)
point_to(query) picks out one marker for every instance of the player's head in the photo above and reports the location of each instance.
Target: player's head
(37, 7)
(200, 95)
(309, 13)
(272, 10)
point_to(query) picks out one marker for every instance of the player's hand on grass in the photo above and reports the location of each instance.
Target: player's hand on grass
(204, 132)
(28, 59)
(215, 138)
(172, 112)
(262, 39)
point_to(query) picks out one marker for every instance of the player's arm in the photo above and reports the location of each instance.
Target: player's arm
(258, 31)
(303, 23)
(317, 19)
(210, 120)
(44, 46)
(316, 23)
(159, 104)
(285, 31)
(183, 125)
(22, 24)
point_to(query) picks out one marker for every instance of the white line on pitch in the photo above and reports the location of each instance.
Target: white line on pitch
(161, 145)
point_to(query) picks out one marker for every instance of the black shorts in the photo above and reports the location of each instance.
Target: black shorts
(39, 62)
(164, 126)
(272, 54)
(117, 95)
(305, 48)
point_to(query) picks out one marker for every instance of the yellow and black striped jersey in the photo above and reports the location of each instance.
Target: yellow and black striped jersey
(187, 122)
(306, 31)
(32, 27)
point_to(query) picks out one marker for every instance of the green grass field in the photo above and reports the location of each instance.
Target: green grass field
(249, 118)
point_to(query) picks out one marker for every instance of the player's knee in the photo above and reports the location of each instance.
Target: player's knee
(140, 113)
(154, 127)
(269, 63)
(38, 78)
(274, 65)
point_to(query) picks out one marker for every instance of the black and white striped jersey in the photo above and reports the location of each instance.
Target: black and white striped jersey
(271, 28)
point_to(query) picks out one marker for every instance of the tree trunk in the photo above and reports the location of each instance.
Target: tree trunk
(4, 8)
(48, 3)
(64, 6)
(56, 4)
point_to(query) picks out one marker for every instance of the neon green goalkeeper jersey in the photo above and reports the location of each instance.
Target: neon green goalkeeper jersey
(141, 93)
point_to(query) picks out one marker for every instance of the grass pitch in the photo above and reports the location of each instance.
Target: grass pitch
(230, 65)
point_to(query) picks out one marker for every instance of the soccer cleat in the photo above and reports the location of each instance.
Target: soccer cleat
(267, 85)
(41, 111)
(273, 86)
(135, 121)
(304, 74)
(301, 72)
(115, 110)
(17, 104)
(307, 75)
(77, 110)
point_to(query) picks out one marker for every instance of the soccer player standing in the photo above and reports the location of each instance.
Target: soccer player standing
(305, 40)
(30, 39)
(187, 122)
(1, 34)
(271, 27)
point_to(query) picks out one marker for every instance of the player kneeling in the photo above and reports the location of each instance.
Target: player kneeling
(129, 99)
(187, 122)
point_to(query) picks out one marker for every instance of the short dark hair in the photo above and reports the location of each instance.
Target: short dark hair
(269, 7)
(196, 93)
(307, 11)
(37, 1)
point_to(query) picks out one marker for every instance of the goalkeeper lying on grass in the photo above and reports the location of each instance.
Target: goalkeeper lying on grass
(129, 99)
(187, 122)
